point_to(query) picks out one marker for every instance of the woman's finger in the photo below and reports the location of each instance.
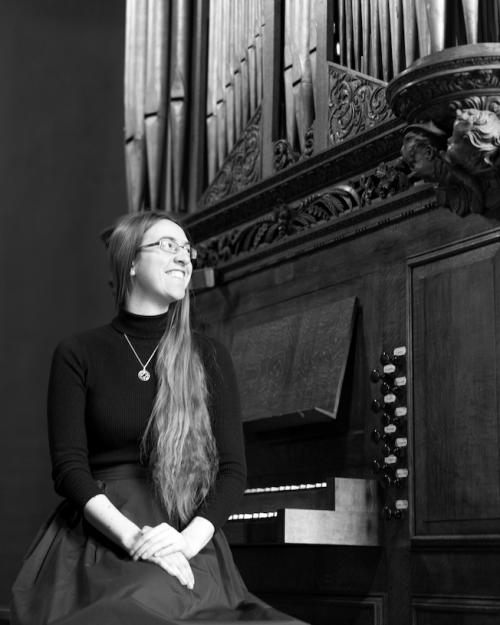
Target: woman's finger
(153, 547)
(175, 569)
(184, 566)
(168, 550)
(177, 565)
(161, 533)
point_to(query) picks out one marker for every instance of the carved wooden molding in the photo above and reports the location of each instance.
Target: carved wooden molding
(432, 525)
(353, 157)
(355, 104)
(433, 87)
(452, 101)
(284, 154)
(425, 606)
(466, 174)
(286, 221)
(350, 225)
(282, 222)
(242, 167)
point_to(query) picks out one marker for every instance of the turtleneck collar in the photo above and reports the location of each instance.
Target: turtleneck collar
(143, 326)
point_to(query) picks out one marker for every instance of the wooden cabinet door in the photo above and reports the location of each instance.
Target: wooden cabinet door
(454, 303)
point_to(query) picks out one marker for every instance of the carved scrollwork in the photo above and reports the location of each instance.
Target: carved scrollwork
(309, 143)
(285, 155)
(241, 168)
(355, 105)
(452, 101)
(435, 86)
(282, 222)
(417, 102)
(385, 181)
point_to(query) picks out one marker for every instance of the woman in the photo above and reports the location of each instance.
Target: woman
(146, 447)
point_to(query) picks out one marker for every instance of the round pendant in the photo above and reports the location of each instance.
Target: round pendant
(143, 375)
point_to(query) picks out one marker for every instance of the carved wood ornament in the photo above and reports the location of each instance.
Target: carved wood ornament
(452, 101)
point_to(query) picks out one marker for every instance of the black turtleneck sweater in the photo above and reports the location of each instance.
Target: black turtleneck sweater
(98, 409)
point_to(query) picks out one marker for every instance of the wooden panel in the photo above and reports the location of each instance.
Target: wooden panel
(321, 610)
(299, 570)
(469, 572)
(455, 611)
(455, 398)
(295, 363)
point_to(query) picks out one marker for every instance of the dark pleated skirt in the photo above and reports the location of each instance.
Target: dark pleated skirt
(73, 575)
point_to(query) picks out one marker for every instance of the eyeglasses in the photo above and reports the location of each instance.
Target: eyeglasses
(171, 246)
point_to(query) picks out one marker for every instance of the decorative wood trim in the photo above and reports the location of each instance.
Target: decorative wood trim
(351, 158)
(242, 167)
(356, 103)
(487, 542)
(424, 90)
(445, 541)
(349, 226)
(462, 245)
(385, 181)
(440, 604)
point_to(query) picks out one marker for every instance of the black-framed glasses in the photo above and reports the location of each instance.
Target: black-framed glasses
(167, 244)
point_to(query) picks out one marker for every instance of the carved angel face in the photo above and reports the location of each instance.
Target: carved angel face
(419, 153)
(474, 143)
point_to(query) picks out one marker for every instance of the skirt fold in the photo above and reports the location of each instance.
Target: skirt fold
(73, 575)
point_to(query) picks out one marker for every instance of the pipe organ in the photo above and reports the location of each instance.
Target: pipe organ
(340, 163)
(299, 70)
(381, 38)
(298, 363)
(234, 74)
(269, 79)
(372, 494)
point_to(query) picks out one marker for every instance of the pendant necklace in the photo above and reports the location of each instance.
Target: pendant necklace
(143, 374)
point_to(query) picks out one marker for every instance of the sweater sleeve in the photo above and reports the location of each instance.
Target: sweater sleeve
(66, 424)
(224, 403)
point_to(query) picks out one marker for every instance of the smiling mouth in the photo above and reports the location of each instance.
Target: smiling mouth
(176, 273)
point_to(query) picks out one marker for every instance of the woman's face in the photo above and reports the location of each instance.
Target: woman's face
(159, 277)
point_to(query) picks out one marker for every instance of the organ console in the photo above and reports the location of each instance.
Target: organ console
(392, 387)
(291, 375)
(336, 511)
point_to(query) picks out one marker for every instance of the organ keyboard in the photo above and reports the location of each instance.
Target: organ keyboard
(334, 511)
(296, 410)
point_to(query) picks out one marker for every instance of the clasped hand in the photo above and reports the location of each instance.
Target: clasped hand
(166, 547)
(158, 541)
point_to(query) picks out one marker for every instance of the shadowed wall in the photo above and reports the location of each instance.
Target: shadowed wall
(61, 182)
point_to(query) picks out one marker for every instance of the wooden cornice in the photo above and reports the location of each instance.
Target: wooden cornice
(331, 166)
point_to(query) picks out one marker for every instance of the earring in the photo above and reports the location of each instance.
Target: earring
(132, 271)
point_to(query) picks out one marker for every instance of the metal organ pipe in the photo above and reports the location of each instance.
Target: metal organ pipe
(234, 75)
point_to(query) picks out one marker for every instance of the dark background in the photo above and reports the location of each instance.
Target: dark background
(62, 181)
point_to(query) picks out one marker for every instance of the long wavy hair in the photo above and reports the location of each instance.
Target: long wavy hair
(178, 439)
